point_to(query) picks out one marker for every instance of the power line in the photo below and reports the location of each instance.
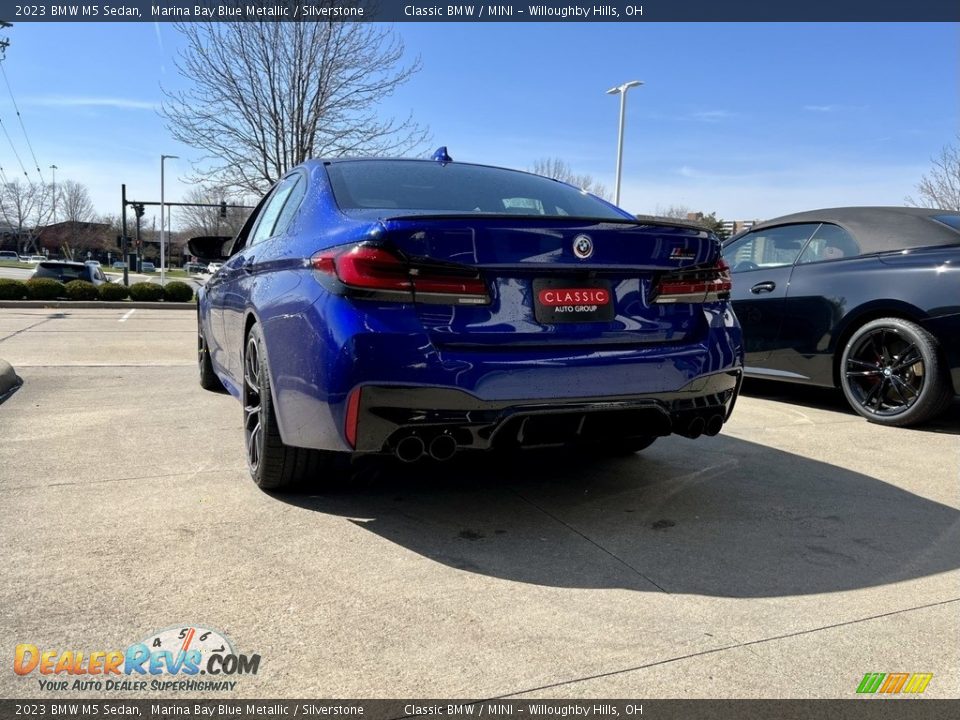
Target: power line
(22, 126)
(16, 154)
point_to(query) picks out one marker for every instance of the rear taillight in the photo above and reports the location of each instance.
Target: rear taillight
(699, 285)
(378, 273)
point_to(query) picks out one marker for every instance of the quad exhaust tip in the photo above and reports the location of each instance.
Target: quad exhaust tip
(695, 428)
(714, 425)
(443, 447)
(411, 448)
(700, 425)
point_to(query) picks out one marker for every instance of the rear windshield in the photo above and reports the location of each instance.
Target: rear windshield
(67, 272)
(431, 188)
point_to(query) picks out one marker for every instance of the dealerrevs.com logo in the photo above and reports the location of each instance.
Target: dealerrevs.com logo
(894, 683)
(171, 659)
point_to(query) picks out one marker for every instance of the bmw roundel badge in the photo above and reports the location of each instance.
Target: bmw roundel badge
(582, 246)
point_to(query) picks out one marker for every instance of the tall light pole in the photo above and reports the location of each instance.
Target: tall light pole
(162, 238)
(54, 168)
(622, 90)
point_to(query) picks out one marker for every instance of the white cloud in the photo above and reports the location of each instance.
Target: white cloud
(820, 108)
(66, 101)
(713, 115)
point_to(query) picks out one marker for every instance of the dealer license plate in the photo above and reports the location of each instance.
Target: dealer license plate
(572, 301)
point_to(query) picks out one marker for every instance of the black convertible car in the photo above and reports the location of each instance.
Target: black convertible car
(866, 299)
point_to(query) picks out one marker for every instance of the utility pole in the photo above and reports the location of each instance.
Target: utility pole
(54, 168)
(124, 241)
(162, 238)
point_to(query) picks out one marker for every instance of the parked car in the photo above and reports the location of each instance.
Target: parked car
(192, 267)
(862, 299)
(424, 307)
(118, 265)
(147, 267)
(9, 256)
(67, 271)
(34, 259)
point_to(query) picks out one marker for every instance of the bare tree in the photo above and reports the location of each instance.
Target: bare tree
(195, 221)
(74, 203)
(23, 207)
(265, 96)
(559, 170)
(676, 212)
(940, 188)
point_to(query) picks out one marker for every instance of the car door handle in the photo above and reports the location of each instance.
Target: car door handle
(763, 287)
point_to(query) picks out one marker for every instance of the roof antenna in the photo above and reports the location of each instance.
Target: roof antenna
(441, 155)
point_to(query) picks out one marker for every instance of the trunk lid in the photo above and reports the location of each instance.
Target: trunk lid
(542, 272)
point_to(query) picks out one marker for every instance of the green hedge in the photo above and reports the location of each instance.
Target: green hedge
(12, 289)
(45, 289)
(177, 291)
(145, 291)
(81, 290)
(113, 291)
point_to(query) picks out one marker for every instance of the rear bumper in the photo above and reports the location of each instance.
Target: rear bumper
(387, 415)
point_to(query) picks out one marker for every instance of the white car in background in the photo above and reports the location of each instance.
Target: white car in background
(213, 267)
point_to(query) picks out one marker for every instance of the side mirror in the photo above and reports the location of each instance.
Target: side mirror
(211, 248)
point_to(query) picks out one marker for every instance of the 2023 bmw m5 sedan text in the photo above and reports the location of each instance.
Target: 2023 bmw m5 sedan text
(427, 307)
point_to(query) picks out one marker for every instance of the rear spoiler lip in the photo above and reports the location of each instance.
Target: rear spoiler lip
(549, 218)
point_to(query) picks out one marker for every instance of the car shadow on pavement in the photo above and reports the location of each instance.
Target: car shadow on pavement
(830, 399)
(724, 518)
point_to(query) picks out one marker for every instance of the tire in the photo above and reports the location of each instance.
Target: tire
(208, 378)
(273, 465)
(892, 374)
(623, 448)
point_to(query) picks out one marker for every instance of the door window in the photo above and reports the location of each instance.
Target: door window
(271, 211)
(768, 248)
(830, 242)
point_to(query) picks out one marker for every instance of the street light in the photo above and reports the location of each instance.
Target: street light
(162, 246)
(622, 90)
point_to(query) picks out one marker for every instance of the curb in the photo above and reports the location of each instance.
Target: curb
(8, 380)
(107, 305)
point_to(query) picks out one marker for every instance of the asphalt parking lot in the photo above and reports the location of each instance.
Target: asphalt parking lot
(798, 550)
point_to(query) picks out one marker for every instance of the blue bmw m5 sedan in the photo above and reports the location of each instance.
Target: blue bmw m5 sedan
(422, 308)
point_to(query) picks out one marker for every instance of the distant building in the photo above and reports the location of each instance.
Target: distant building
(732, 227)
(75, 235)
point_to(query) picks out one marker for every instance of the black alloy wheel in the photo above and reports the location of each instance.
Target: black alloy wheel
(252, 405)
(891, 373)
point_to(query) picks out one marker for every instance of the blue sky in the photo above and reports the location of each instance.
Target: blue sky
(747, 120)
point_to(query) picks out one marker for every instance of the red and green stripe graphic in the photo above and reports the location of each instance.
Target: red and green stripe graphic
(894, 683)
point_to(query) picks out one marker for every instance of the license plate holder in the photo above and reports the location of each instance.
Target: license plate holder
(566, 300)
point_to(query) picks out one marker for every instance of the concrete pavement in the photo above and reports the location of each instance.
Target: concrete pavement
(798, 550)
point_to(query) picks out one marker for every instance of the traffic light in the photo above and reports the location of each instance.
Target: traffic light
(138, 209)
(223, 209)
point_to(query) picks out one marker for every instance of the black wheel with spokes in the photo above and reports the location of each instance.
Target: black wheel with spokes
(891, 373)
(208, 378)
(272, 464)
